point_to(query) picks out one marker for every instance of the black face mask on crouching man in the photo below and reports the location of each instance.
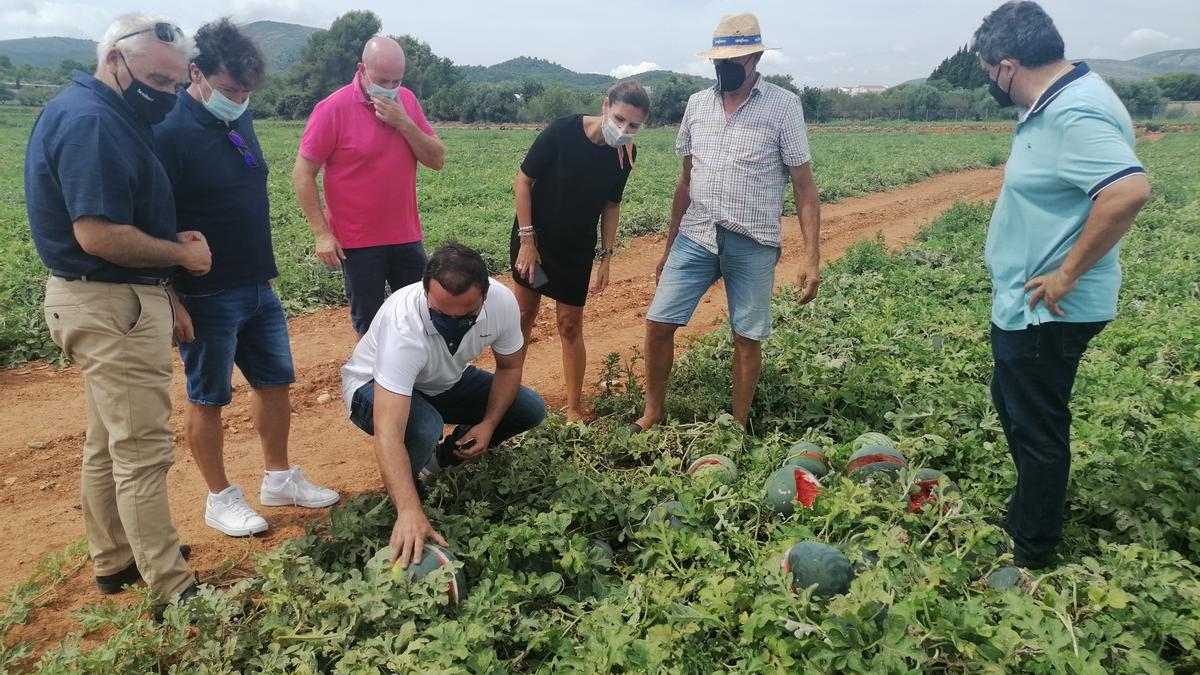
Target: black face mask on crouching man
(452, 328)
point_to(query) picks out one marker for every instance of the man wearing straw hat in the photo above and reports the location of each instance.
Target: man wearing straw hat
(741, 142)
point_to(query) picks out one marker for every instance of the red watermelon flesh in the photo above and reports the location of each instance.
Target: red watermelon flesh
(807, 487)
(860, 462)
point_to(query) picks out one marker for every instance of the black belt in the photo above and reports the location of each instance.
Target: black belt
(112, 279)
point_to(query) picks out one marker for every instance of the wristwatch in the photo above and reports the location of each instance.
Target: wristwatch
(605, 253)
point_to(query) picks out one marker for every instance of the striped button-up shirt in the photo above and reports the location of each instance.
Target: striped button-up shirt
(740, 163)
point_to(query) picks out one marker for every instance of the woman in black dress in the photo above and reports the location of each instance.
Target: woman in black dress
(573, 178)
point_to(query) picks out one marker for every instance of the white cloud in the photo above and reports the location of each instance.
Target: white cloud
(826, 57)
(53, 19)
(701, 67)
(1147, 40)
(623, 71)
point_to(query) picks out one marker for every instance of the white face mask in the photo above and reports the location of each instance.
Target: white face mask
(221, 107)
(376, 90)
(613, 135)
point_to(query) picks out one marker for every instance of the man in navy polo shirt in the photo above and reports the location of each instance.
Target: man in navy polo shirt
(1072, 187)
(231, 315)
(103, 221)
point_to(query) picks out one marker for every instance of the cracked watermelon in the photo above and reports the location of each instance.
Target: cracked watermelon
(791, 485)
(434, 557)
(872, 438)
(808, 456)
(719, 466)
(872, 459)
(812, 563)
(925, 486)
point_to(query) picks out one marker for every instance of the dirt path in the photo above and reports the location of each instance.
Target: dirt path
(43, 409)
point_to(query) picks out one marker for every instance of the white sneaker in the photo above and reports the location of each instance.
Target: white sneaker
(293, 489)
(228, 512)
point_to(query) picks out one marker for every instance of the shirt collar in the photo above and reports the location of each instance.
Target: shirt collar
(106, 94)
(1056, 88)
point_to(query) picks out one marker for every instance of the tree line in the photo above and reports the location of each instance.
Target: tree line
(955, 90)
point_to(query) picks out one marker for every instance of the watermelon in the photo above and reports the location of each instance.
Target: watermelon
(872, 438)
(669, 511)
(600, 552)
(432, 558)
(812, 563)
(726, 419)
(864, 473)
(1006, 579)
(718, 466)
(790, 485)
(808, 456)
(925, 487)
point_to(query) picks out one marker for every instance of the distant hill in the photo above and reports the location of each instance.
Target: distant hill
(529, 68)
(280, 42)
(48, 52)
(1158, 63)
(515, 71)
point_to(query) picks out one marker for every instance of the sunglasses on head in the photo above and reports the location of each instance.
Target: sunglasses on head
(240, 144)
(165, 32)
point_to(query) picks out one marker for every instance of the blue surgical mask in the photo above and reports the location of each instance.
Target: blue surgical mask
(221, 107)
(376, 90)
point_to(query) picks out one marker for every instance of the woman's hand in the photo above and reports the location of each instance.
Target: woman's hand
(602, 271)
(527, 256)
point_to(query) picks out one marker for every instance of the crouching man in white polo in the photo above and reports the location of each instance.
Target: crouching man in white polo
(409, 376)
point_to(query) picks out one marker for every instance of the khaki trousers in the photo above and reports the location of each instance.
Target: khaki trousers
(120, 335)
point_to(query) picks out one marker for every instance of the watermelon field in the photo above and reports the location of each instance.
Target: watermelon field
(570, 564)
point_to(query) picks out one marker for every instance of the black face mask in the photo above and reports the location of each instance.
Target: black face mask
(1004, 98)
(452, 328)
(730, 75)
(150, 104)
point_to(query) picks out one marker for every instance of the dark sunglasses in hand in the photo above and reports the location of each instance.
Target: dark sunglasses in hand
(240, 144)
(165, 32)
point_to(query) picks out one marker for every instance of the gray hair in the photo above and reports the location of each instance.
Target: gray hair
(136, 44)
(1019, 30)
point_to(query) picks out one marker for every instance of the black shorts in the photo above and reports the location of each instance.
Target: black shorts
(367, 270)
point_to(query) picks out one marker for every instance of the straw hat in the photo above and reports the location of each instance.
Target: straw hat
(736, 35)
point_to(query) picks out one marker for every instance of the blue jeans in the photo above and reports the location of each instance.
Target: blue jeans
(748, 268)
(462, 404)
(1032, 380)
(243, 326)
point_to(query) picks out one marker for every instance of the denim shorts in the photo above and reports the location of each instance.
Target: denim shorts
(748, 268)
(243, 326)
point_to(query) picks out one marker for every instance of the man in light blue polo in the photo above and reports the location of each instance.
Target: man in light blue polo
(1072, 187)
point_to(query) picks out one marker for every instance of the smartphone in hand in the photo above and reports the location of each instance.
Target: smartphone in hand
(539, 276)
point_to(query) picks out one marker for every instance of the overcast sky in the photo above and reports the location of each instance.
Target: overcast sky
(827, 42)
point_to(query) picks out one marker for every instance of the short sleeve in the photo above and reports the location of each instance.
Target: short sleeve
(509, 339)
(793, 135)
(87, 192)
(399, 358)
(1095, 152)
(320, 135)
(542, 153)
(413, 107)
(683, 140)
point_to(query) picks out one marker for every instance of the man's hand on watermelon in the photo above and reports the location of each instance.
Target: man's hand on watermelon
(409, 533)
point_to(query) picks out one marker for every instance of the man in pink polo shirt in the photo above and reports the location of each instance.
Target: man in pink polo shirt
(368, 136)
